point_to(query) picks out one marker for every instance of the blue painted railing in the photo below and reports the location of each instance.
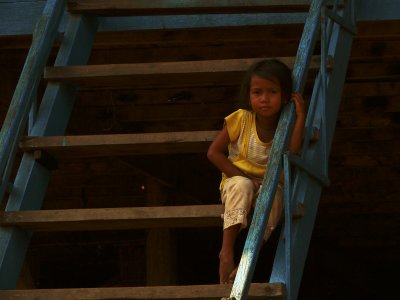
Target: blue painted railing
(31, 181)
(24, 96)
(302, 189)
(271, 179)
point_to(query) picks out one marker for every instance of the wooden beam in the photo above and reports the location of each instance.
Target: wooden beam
(216, 291)
(171, 7)
(114, 218)
(161, 255)
(186, 73)
(121, 144)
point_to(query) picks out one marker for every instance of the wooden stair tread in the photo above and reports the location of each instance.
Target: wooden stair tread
(121, 144)
(118, 218)
(186, 73)
(168, 7)
(211, 291)
(115, 218)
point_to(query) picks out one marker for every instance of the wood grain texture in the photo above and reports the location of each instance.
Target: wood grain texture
(115, 218)
(187, 73)
(121, 144)
(257, 291)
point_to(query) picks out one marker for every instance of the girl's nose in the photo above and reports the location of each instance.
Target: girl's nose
(264, 97)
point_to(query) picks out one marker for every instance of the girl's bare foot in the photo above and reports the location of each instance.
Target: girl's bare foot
(226, 267)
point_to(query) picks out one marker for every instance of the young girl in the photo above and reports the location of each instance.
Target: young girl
(241, 150)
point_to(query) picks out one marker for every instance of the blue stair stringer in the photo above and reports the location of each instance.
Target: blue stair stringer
(30, 184)
(29, 187)
(302, 189)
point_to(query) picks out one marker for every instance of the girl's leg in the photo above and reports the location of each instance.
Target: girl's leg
(273, 220)
(276, 213)
(226, 256)
(237, 196)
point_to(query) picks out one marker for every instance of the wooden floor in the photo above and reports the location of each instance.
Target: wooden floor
(356, 241)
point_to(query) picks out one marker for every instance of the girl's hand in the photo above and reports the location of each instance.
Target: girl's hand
(297, 133)
(299, 104)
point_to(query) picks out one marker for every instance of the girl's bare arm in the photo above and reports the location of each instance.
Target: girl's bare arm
(298, 129)
(217, 154)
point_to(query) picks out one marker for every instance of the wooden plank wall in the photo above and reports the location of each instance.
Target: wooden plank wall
(357, 224)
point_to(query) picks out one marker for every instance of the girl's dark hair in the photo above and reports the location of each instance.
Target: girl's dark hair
(271, 69)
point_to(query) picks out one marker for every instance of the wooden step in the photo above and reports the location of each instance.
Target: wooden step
(170, 7)
(115, 218)
(119, 218)
(216, 291)
(161, 74)
(121, 144)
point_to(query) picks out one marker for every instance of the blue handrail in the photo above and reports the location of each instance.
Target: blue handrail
(264, 203)
(14, 124)
(309, 178)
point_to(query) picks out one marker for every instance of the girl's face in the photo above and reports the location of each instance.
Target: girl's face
(265, 97)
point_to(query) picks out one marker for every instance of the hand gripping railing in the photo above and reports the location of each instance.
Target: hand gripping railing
(14, 124)
(264, 203)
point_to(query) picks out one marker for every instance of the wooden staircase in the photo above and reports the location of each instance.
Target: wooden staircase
(46, 143)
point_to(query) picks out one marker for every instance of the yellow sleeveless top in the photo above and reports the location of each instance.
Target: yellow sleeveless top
(246, 150)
